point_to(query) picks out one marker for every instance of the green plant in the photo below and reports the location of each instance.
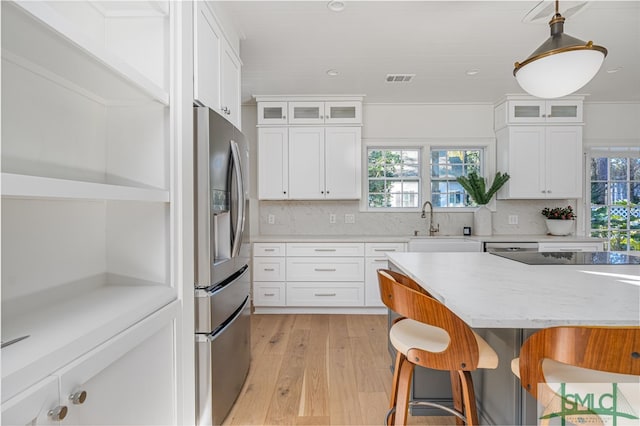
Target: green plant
(559, 213)
(476, 186)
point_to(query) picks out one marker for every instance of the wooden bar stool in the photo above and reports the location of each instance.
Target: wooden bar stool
(430, 335)
(580, 357)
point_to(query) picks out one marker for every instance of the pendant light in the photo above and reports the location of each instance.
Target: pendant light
(561, 65)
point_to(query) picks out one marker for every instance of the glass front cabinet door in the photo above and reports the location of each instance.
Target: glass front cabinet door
(272, 113)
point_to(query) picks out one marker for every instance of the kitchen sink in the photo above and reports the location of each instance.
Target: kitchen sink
(443, 243)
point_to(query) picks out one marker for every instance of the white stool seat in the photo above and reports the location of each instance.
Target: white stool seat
(584, 381)
(409, 334)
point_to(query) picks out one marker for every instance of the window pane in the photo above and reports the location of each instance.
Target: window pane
(446, 166)
(599, 218)
(634, 218)
(388, 169)
(635, 192)
(618, 169)
(618, 192)
(634, 241)
(598, 193)
(599, 168)
(634, 169)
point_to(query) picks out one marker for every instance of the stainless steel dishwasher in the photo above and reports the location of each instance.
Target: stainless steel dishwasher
(510, 246)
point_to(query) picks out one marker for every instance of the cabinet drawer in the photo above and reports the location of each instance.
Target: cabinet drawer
(325, 294)
(269, 249)
(570, 247)
(268, 269)
(379, 249)
(325, 269)
(269, 294)
(325, 249)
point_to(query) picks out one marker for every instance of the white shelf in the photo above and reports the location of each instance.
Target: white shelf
(38, 38)
(63, 330)
(25, 186)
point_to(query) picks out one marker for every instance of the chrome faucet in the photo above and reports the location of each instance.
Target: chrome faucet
(432, 229)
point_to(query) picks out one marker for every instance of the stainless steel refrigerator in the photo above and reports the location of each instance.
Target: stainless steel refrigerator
(222, 273)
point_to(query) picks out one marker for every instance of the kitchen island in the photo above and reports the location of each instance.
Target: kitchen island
(505, 301)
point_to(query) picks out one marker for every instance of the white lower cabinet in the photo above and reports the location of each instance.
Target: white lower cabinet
(32, 406)
(269, 294)
(128, 380)
(340, 294)
(563, 246)
(376, 258)
(319, 275)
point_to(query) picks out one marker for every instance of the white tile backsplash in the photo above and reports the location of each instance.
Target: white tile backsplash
(312, 218)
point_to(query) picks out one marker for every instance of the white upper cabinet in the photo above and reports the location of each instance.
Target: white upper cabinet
(207, 53)
(306, 112)
(217, 67)
(230, 98)
(306, 163)
(306, 150)
(529, 110)
(344, 112)
(543, 161)
(321, 163)
(343, 169)
(272, 113)
(309, 110)
(273, 163)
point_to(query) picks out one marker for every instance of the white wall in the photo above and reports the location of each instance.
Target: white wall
(615, 124)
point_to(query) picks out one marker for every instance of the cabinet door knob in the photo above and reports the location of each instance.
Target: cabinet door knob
(284, 117)
(57, 414)
(78, 398)
(322, 192)
(284, 192)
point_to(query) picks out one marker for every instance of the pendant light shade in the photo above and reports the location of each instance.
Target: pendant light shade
(561, 65)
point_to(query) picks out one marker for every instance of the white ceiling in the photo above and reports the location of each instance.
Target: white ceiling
(287, 47)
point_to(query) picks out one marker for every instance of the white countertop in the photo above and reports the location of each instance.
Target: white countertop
(488, 291)
(406, 238)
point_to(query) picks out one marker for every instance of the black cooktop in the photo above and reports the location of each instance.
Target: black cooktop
(570, 258)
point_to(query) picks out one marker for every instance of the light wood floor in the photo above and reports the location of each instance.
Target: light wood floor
(318, 370)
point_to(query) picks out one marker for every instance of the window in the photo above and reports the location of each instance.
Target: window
(393, 178)
(615, 197)
(446, 166)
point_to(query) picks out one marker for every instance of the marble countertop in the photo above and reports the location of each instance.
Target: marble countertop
(488, 291)
(406, 238)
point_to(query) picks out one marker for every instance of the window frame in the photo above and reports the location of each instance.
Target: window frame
(486, 145)
(618, 151)
(481, 166)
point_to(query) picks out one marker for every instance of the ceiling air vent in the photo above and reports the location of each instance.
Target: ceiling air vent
(399, 78)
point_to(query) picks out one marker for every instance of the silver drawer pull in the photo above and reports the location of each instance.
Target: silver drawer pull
(269, 294)
(324, 294)
(325, 269)
(379, 260)
(269, 269)
(269, 249)
(325, 249)
(384, 249)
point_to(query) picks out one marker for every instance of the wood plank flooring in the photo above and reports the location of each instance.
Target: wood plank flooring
(318, 370)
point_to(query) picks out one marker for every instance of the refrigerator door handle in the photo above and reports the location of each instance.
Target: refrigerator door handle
(237, 165)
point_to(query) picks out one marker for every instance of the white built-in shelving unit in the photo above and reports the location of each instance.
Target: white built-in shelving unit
(87, 172)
